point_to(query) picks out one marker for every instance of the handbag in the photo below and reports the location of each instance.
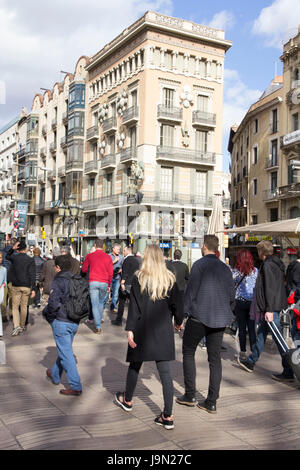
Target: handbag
(233, 305)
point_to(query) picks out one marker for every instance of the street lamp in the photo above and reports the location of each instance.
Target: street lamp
(69, 212)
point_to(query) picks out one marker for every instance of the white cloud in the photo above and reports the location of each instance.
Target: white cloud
(278, 22)
(222, 20)
(238, 98)
(38, 39)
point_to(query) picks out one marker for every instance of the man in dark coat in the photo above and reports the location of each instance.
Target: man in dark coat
(271, 299)
(207, 303)
(48, 274)
(22, 274)
(181, 271)
(130, 265)
(64, 329)
(293, 275)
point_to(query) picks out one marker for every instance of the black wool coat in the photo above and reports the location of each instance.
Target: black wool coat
(151, 324)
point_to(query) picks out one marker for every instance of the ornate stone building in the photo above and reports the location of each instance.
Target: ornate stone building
(155, 97)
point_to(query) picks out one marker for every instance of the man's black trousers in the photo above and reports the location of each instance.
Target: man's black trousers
(193, 334)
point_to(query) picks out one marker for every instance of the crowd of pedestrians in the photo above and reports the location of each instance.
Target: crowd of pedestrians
(163, 298)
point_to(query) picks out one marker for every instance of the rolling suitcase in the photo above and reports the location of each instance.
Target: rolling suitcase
(291, 355)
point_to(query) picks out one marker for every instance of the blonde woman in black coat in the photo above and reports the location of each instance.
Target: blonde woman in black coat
(154, 300)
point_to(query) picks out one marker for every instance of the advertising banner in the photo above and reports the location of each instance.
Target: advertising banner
(22, 207)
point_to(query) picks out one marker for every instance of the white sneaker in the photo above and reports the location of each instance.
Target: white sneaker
(17, 331)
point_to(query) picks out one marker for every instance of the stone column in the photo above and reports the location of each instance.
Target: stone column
(219, 71)
(127, 68)
(139, 62)
(186, 62)
(162, 57)
(174, 60)
(133, 63)
(197, 70)
(151, 52)
(208, 68)
(118, 74)
(123, 70)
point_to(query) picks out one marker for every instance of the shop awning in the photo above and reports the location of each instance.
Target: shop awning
(288, 228)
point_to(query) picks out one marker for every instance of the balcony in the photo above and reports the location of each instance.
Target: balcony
(182, 155)
(75, 165)
(91, 167)
(289, 191)
(271, 163)
(290, 140)
(270, 194)
(21, 153)
(169, 113)
(108, 161)
(92, 134)
(41, 178)
(54, 123)
(52, 148)
(159, 197)
(109, 125)
(43, 153)
(104, 202)
(64, 143)
(131, 115)
(51, 175)
(128, 155)
(204, 119)
(61, 172)
(30, 179)
(65, 118)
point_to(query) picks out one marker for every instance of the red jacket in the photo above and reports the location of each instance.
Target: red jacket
(100, 265)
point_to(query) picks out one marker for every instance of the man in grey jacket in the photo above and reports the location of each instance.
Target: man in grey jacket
(207, 303)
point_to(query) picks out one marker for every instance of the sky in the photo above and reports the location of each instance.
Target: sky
(38, 39)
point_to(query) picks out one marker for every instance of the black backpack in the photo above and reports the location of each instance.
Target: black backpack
(78, 304)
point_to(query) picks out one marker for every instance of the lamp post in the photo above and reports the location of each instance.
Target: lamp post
(69, 212)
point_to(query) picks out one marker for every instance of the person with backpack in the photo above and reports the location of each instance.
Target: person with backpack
(58, 313)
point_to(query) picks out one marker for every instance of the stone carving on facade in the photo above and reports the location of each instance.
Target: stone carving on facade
(122, 102)
(103, 112)
(187, 97)
(121, 138)
(102, 147)
(137, 175)
(185, 136)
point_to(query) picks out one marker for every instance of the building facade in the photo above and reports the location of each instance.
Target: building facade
(154, 133)
(265, 183)
(134, 136)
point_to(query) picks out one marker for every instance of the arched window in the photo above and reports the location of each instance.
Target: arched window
(294, 212)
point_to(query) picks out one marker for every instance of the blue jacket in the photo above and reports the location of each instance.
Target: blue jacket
(59, 294)
(210, 292)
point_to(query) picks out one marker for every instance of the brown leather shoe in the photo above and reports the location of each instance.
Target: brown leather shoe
(48, 373)
(97, 331)
(69, 391)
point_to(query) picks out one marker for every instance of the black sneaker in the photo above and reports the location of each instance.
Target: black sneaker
(248, 366)
(166, 423)
(282, 378)
(116, 322)
(183, 400)
(207, 407)
(122, 403)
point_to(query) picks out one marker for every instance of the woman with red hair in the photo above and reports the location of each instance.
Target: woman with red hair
(244, 276)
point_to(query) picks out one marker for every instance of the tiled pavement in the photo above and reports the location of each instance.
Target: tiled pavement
(254, 412)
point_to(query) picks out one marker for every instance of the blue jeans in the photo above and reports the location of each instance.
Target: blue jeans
(114, 288)
(261, 337)
(63, 333)
(98, 291)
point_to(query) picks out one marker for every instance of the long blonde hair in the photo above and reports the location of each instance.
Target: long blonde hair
(154, 277)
